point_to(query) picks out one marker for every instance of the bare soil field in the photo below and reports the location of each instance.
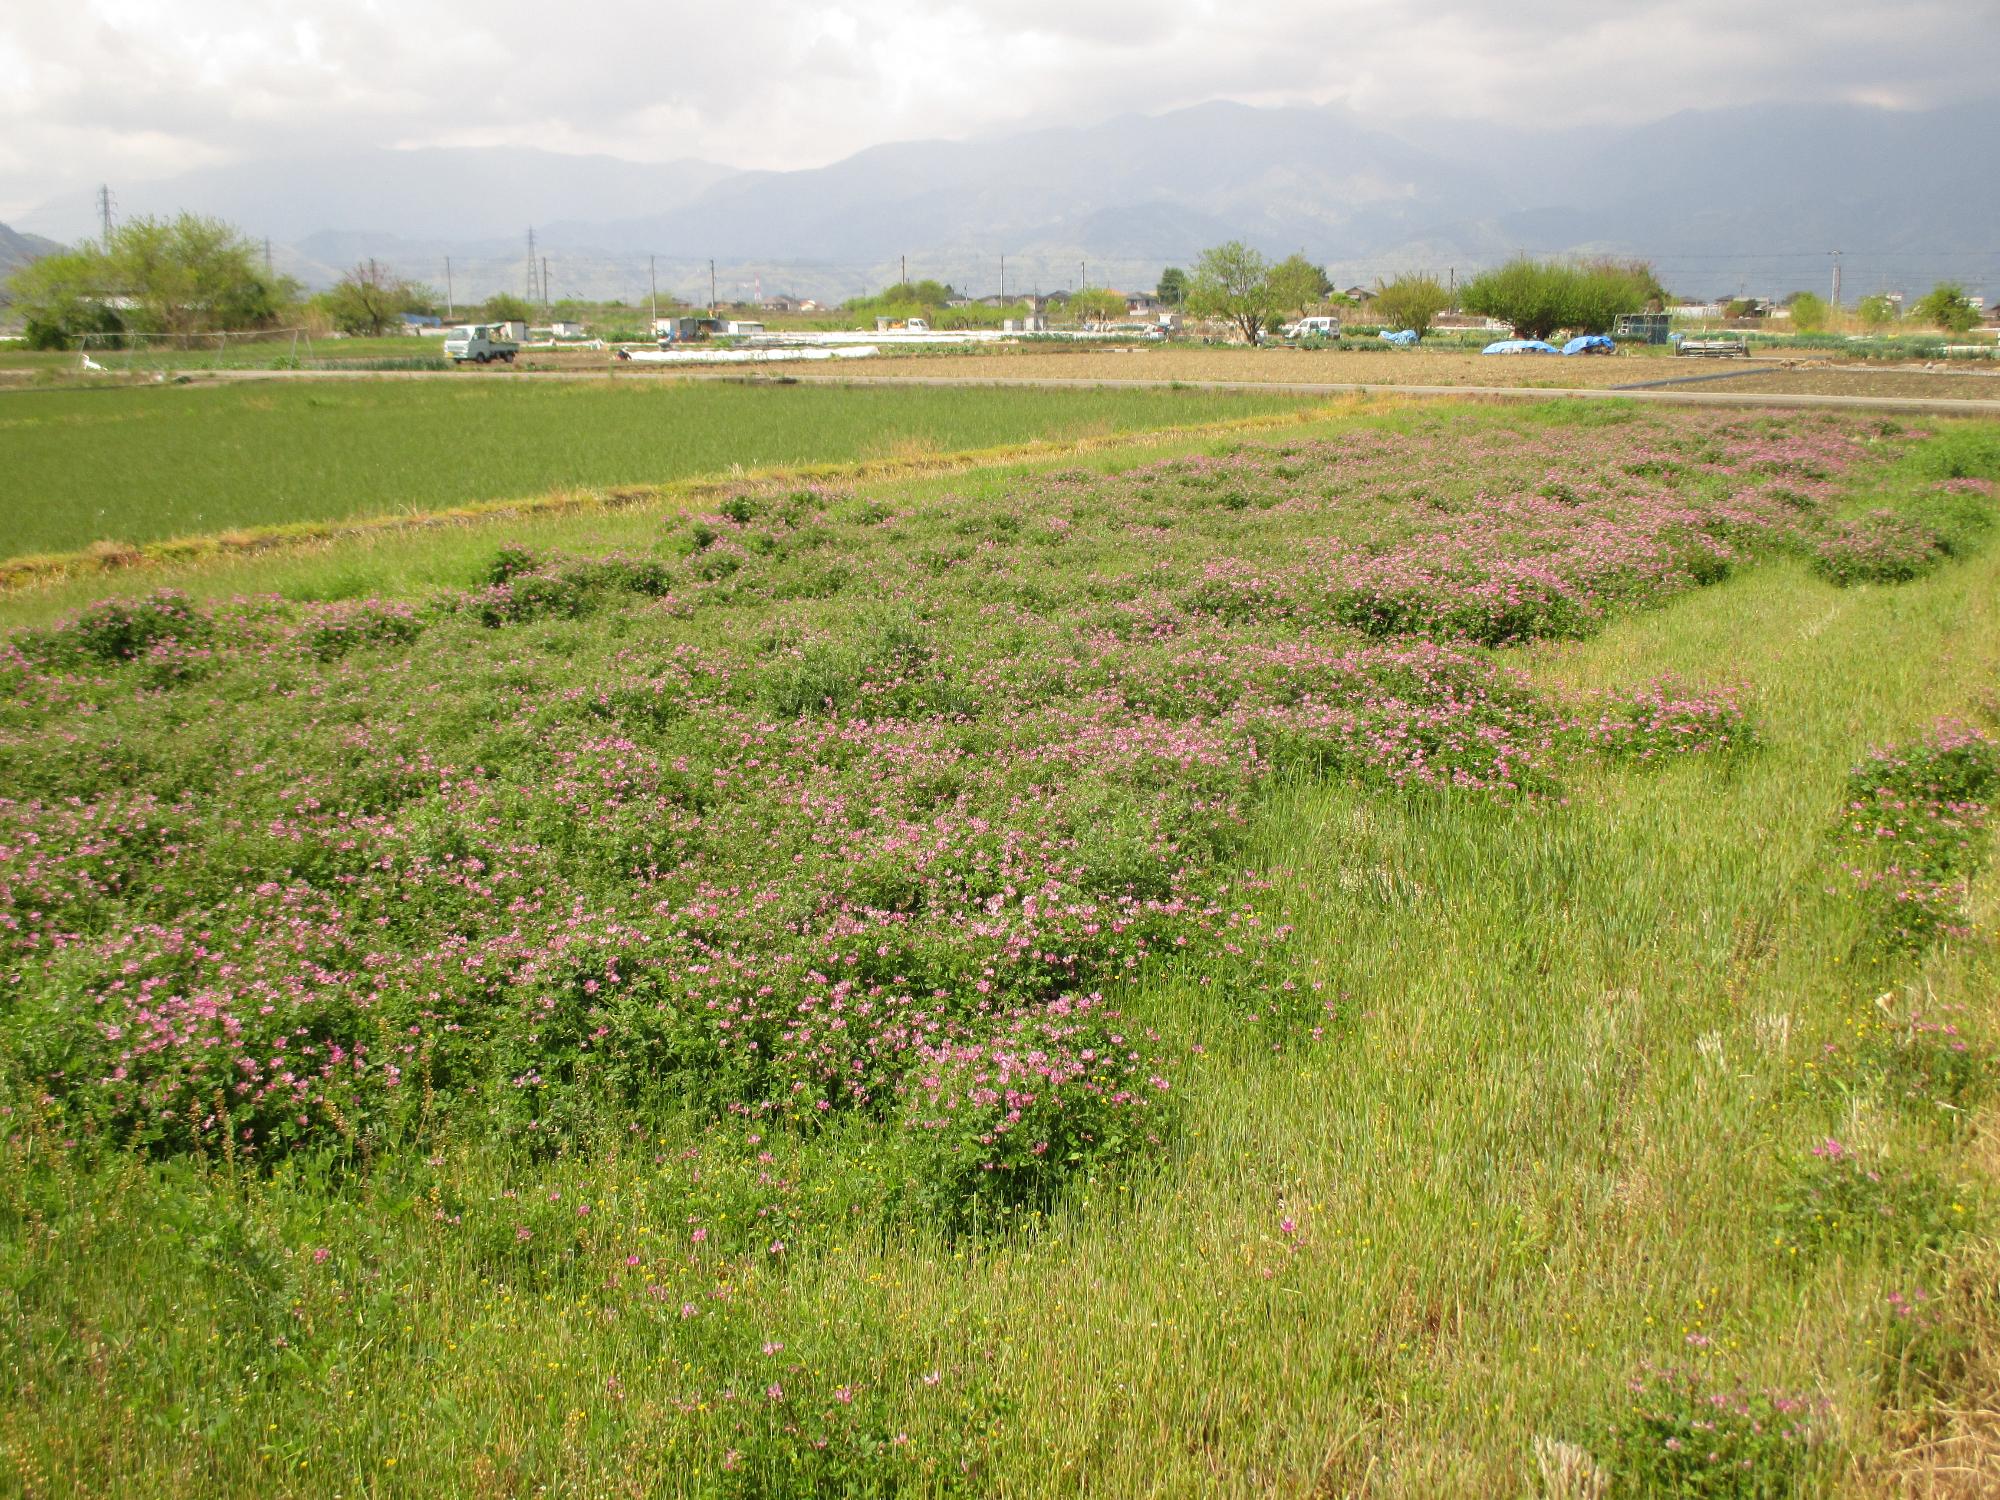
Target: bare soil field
(1835, 380)
(1333, 366)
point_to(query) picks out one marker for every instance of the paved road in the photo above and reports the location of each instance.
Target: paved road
(1934, 405)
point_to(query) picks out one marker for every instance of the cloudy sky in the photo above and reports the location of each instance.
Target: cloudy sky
(124, 90)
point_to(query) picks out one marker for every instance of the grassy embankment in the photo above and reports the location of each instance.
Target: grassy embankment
(1556, 1125)
(138, 466)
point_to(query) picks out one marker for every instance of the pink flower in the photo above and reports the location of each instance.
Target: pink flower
(320, 1255)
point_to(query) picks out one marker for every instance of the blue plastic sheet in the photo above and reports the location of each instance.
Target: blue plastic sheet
(1405, 339)
(1589, 343)
(1520, 346)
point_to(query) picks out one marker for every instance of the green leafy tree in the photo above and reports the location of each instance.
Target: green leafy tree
(905, 297)
(1540, 297)
(370, 299)
(1877, 311)
(178, 277)
(505, 307)
(1809, 312)
(1410, 301)
(1173, 287)
(1298, 284)
(1233, 282)
(1096, 304)
(64, 298)
(1946, 306)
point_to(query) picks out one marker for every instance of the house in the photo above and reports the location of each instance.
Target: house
(421, 322)
(1360, 296)
(1142, 305)
(779, 304)
(566, 330)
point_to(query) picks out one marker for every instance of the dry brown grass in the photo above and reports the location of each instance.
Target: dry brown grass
(1194, 362)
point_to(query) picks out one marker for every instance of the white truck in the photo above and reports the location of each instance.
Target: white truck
(1313, 328)
(481, 343)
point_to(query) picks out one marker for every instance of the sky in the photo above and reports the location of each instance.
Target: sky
(128, 90)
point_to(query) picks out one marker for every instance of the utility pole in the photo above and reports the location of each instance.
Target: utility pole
(448, 312)
(104, 212)
(1003, 278)
(545, 286)
(906, 272)
(653, 280)
(711, 288)
(1453, 274)
(1836, 278)
(531, 265)
(1084, 285)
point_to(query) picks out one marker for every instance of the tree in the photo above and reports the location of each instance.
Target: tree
(1233, 281)
(370, 300)
(905, 298)
(1877, 311)
(1173, 287)
(1540, 297)
(1297, 284)
(1946, 306)
(1411, 301)
(1096, 304)
(505, 307)
(64, 297)
(1809, 312)
(179, 277)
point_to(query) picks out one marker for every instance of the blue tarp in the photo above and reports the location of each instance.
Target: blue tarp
(1589, 343)
(1406, 339)
(1520, 346)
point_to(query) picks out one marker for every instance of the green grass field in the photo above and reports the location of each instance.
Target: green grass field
(244, 354)
(1493, 1096)
(141, 465)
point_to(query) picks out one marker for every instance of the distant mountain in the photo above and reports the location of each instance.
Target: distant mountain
(17, 249)
(456, 194)
(1752, 197)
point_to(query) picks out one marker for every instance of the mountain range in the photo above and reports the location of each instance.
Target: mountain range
(17, 249)
(1752, 198)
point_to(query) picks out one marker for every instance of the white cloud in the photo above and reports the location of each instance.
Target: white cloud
(125, 89)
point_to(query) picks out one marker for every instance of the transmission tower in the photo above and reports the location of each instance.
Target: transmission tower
(104, 205)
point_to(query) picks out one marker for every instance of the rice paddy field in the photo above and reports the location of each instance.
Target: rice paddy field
(1434, 951)
(134, 465)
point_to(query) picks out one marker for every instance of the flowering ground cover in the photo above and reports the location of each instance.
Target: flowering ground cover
(655, 929)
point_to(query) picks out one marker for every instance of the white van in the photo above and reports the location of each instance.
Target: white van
(1314, 328)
